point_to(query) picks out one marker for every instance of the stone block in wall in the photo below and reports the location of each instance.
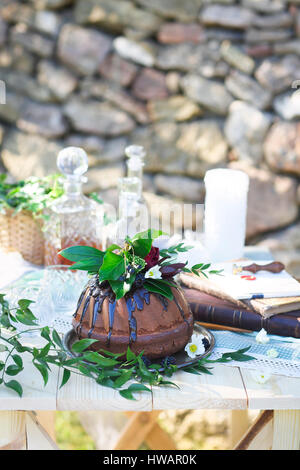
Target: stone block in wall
(150, 84)
(245, 129)
(47, 22)
(181, 187)
(255, 35)
(15, 57)
(210, 94)
(273, 21)
(285, 247)
(176, 33)
(44, 21)
(186, 148)
(224, 34)
(191, 57)
(51, 4)
(282, 147)
(10, 111)
(60, 81)
(173, 9)
(229, 16)
(99, 118)
(25, 85)
(235, 57)
(267, 192)
(99, 150)
(140, 53)
(287, 105)
(103, 178)
(175, 108)
(297, 22)
(118, 70)
(46, 120)
(259, 50)
(3, 30)
(289, 47)
(265, 6)
(83, 49)
(119, 97)
(277, 74)
(246, 88)
(116, 16)
(25, 155)
(33, 42)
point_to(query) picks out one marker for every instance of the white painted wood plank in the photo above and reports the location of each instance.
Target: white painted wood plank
(82, 394)
(286, 434)
(36, 396)
(278, 393)
(222, 390)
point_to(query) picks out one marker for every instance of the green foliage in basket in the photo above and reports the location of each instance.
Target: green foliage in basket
(105, 368)
(33, 194)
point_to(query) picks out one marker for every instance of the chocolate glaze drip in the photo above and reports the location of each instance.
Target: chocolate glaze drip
(163, 301)
(111, 312)
(134, 300)
(130, 303)
(180, 310)
(95, 315)
(79, 303)
(86, 304)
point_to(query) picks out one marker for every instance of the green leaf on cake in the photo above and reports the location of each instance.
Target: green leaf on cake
(142, 242)
(112, 268)
(159, 288)
(85, 258)
(79, 253)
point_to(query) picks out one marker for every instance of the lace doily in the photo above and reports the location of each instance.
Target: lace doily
(287, 362)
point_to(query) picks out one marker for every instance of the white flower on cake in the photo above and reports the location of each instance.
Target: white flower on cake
(272, 352)
(153, 273)
(195, 347)
(262, 337)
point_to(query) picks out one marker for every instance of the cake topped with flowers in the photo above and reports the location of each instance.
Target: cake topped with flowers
(132, 298)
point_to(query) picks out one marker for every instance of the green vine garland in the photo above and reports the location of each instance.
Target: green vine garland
(105, 368)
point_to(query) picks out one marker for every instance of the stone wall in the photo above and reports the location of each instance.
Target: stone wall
(199, 83)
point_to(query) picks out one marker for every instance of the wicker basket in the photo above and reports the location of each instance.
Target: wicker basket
(21, 232)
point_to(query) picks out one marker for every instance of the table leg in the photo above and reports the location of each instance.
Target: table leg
(47, 420)
(239, 425)
(286, 430)
(142, 427)
(12, 430)
(259, 435)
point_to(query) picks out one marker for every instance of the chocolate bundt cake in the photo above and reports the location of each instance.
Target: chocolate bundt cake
(144, 321)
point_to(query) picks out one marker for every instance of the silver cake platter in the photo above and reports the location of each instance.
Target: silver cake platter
(181, 357)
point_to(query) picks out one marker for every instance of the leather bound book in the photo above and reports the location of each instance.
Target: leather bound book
(208, 309)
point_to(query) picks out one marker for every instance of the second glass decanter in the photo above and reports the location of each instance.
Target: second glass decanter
(73, 219)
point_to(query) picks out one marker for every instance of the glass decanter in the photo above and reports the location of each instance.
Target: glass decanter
(133, 213)
(73, 219)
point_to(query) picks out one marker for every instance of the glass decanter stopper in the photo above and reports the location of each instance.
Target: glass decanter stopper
(73, 219)
(136, 156)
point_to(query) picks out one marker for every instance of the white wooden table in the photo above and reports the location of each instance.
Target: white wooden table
(229, 388)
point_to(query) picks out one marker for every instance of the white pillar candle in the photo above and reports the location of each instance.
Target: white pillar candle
(225, 213)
